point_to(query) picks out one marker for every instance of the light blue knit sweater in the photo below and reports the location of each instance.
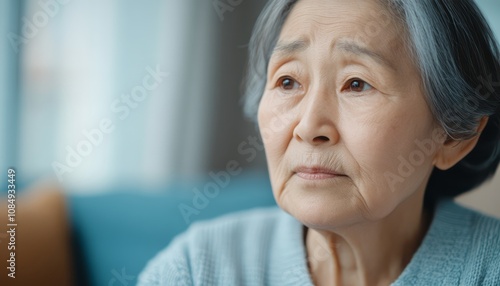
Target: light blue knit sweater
(265, 247)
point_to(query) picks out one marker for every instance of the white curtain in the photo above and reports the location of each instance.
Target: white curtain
(9, 115)
(85, 65)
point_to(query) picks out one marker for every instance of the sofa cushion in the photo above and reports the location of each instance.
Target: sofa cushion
(42, 238)
(116, 233)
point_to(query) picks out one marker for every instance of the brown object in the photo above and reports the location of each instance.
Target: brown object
(42, 239)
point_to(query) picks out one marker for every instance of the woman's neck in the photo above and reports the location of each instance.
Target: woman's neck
(369, 254)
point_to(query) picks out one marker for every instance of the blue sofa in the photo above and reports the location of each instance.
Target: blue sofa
(116, 233)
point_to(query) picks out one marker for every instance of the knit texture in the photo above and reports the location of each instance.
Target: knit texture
(265, 247)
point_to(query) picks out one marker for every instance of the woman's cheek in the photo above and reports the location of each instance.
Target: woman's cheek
(272, 131)
(276, 121)
(386, 173)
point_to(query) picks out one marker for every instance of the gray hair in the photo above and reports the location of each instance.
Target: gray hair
(458, 57)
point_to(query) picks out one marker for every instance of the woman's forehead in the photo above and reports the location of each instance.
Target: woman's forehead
(364, 23)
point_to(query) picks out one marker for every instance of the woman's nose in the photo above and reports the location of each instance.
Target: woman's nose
(316, 124)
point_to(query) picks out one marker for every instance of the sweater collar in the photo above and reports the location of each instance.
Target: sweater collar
(441, 255)
(290, 260)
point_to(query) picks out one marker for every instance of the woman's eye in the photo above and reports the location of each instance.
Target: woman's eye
(357, 85)
(288, 83)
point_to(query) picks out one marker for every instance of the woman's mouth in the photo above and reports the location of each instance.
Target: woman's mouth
(316, 173)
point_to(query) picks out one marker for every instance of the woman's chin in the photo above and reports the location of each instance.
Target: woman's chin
(321, 208)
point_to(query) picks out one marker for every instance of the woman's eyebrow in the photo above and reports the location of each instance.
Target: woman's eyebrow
(284, 49)
(356, 49)
(289, 48)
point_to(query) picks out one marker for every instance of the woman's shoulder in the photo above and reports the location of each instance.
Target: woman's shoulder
(462, 247)
(479, 227)
(247, 227)
(477, 236)
(483, 254)
(229, 249)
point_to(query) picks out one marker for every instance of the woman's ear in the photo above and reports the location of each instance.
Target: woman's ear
(453, 151)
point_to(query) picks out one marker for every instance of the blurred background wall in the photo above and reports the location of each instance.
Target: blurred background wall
(98, 92)
(68, 65)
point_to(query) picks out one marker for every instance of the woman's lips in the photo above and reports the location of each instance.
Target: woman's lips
(316, 173)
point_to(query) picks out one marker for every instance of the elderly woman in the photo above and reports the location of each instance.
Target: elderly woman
(373, 114)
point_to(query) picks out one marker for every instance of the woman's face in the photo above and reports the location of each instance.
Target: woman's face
(347, 132)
